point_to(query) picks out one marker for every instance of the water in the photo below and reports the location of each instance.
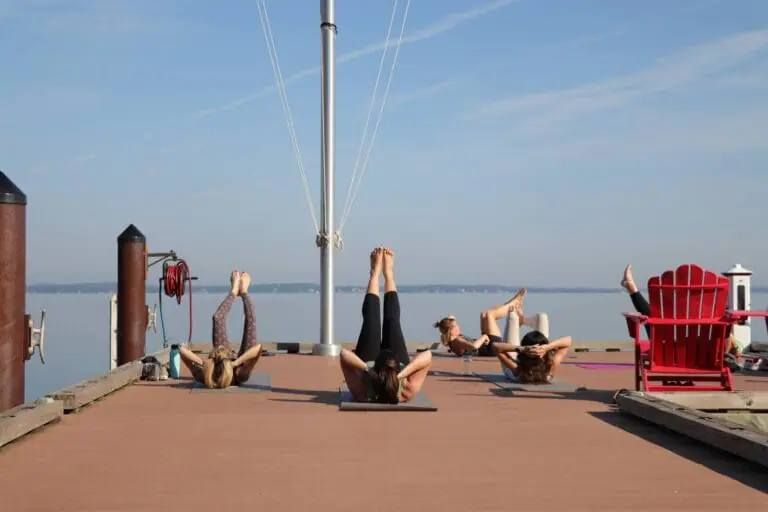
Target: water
(77, 331)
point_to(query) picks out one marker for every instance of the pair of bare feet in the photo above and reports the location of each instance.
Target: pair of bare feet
(628, 282)
(383, 262)
(240, 282)
(515, 303)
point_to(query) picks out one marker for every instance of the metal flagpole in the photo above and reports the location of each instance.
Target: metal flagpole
(327, 236)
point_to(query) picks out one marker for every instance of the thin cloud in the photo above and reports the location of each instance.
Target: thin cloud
(89, 18)
(445, 24)
(673, 72)
(239, 102)
(420, 93)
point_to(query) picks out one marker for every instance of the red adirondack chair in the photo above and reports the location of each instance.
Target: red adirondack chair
(689, 328)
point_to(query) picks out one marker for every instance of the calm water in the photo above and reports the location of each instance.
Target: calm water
(77, 331)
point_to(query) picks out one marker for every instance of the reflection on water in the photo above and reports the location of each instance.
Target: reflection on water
(77, 331)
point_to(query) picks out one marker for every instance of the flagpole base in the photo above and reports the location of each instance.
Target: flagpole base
(326, 349)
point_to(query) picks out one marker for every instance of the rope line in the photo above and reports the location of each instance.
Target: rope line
(372, 104)
(283, 94)
(364, 166)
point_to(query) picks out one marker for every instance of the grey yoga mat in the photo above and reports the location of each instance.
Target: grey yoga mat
(258, 382)
(556, 386)
(419, 403)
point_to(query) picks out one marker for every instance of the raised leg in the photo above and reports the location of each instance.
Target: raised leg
(504, 350)
(249, 325)
(638, 301)
(512, 331)
(538, 322)
(369, 340)
(490, 317)
(392, 337)
(220, 336)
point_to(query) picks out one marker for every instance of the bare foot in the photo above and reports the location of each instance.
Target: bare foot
(520, 315)
(234, 280)
(628, 282)
(245, 282)
(377, 261)
(517, 300)
(389, 263)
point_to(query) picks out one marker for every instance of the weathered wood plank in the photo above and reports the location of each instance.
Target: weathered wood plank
(87, 391)
(716, 432)
(27, 417)
(90, 390)
(748, 400)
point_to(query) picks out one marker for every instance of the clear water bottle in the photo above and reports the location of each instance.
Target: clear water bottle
(467, 366)
(174, 362)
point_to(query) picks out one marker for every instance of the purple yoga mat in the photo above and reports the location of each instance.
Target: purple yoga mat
(605, 366)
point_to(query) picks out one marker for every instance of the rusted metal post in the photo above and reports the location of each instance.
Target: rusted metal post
(13, 279)
(131, 295)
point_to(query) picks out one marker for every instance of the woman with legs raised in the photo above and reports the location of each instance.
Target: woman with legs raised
(223, 366)
(379, 369)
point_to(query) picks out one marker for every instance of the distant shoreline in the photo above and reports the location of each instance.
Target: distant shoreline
(104, 288)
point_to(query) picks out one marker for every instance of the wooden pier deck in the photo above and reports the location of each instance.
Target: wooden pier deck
(157, 446)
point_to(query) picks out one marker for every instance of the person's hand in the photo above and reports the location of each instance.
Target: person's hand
(536, 350)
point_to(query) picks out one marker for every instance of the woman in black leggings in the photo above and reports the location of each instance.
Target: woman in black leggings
(379, 370)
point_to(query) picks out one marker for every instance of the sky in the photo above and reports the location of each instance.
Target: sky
(523, 142)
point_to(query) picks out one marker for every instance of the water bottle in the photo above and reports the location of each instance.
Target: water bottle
(174, 362)
(467, 363)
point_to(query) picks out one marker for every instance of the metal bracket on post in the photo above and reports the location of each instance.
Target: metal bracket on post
(160, 257)
(113, 332)
(152, 318)
(35, 337)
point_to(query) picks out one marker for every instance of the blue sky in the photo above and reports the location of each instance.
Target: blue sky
(542, 143)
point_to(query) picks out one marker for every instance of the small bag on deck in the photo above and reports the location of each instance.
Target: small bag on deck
(153, 369)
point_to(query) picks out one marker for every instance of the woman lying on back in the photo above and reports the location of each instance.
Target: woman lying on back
(223, 366)
(379, 370)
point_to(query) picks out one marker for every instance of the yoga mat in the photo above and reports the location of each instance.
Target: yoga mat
(556, 386)
(419, 403)
(606, 366)
(258, 382)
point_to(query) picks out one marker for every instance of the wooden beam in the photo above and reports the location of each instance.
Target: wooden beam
(717, 432)
(27, 417)
(714, 400)
(74, 397)
(87, 391)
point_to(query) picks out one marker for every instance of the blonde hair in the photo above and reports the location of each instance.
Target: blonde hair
(444, 326)
(217, 370)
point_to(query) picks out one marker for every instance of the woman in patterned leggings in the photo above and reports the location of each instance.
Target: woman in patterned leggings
(224, 366)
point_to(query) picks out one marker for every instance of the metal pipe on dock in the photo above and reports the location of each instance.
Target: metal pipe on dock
(13, 244)
(327, 238)
(131, 295)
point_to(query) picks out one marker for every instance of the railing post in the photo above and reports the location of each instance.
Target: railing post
(13, 279)
(131, 295)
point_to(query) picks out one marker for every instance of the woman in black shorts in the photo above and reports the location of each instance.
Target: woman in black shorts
(450, 330)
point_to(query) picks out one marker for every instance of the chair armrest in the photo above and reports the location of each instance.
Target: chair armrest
(634, 321)
(740, 315)
(635, 318)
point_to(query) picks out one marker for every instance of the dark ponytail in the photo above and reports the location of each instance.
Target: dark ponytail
(385, 384)
(531, 369)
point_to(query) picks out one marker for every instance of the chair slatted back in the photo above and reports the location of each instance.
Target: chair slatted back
(689, 293)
